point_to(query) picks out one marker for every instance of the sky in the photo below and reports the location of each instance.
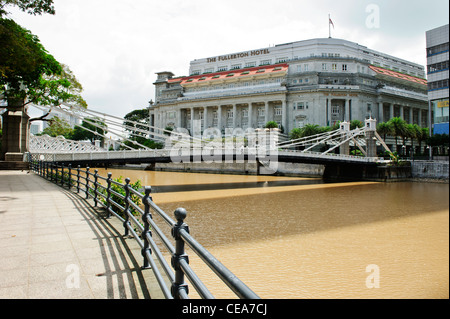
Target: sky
(115, 47)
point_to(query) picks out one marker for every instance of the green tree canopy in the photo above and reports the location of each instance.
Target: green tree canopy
(140, 116)
(58, 127)
(33, 7)
(81, 134)
(29, 72)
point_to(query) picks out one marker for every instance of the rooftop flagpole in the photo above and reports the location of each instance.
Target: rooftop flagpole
(329, 25)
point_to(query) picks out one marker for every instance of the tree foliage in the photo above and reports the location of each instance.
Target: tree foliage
(81, 134)
(33, 7)
(27, 71)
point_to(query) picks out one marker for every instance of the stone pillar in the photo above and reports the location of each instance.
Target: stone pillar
(205, 118)
(15, 131)
(380, 112)
(219, 117)
(250, 115)
(234, 115)
(284, 116)
(266, 112)
(371, 140)
(347, 111)
(344, 149)
(391, 110)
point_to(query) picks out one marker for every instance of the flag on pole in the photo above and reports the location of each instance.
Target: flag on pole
(329, 26)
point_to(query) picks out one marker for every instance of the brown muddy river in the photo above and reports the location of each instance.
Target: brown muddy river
(288, 237)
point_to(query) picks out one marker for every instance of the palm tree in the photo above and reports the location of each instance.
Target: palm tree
(398, 129)
(412, 131)
(422, 136)
(384, 128)
(310, 129)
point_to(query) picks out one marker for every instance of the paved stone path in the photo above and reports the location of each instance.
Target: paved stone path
(54, 244)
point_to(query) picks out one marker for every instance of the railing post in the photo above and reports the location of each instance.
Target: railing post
(78, 179)
(146, 231)
(62, 174)
(87, 182)
(70, 176)
(179, 286)
(127, 205)
(95, 187)
(108, 198)
(51, 172)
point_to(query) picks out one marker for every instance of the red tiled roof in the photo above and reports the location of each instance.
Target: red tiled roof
(266, 69)
(398, 75)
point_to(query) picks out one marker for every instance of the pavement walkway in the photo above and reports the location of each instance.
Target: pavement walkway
(54, 244)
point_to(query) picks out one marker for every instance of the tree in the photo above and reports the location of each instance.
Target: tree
(310, 129)
(384, 128)
(81, 134)
(58, 127)
(33, 7)
(28, 72)
(140, 116)
(398, 128)
(271, 124)
(355, 123)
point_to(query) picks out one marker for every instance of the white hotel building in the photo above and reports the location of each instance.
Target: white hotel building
(317, 81)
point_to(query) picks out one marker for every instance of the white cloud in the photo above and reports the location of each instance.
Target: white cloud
(114, 47)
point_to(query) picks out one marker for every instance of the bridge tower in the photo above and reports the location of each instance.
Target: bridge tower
(15, 131)
(371, 140)
(344, 128)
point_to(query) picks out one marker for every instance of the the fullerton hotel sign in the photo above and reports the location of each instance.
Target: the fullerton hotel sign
(238, 55)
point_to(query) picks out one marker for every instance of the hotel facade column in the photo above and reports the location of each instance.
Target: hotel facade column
(284, 116)
(219, 117)
(402, 112)
(250, 115)
(266, 112)
(380, 112)
(411, 115)
(179, 118)
(234, 115)
(205, 118)
(347, 110)
(391, 110)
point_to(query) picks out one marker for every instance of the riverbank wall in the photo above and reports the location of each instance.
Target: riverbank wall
(246, 168)
(430, 170)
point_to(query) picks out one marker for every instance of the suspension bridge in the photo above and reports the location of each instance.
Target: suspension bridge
(262, 146)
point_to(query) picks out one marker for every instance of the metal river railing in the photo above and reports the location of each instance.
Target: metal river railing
(120, 200)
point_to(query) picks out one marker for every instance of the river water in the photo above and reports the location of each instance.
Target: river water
(289, 237)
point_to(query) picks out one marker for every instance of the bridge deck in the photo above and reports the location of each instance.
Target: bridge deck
(48, 235)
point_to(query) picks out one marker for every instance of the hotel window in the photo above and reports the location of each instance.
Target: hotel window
(196, 72)
(215, 115)
(344, 67)
(200, 115)
(299, 68)
(244, 113)
(266, 62)
(230, 114)
(334, 66)
(261, 111)
(278, 111)
(324, 66)
(282, 60)
(306, 67)
(222, 68)
(236, 66)
(250, 64)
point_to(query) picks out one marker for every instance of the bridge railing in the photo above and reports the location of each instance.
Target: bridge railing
(122, 201)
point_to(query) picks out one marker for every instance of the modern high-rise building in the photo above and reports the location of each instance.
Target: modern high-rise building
(437, 71)
(317, 81)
